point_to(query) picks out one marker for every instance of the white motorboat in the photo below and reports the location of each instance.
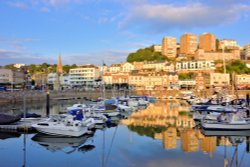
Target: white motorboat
(233, 122)
(77, 107)
(61, 125)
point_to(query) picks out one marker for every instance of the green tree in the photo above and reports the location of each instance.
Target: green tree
(237, 66)
(146, 54)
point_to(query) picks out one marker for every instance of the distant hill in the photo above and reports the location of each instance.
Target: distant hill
(146, 54)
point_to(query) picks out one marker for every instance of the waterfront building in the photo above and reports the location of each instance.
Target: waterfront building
(200, 84)
(169, 46)
(228, 44)
(107, 78)
(247, 51)
(242, 80)
(127, 67)
(64, 79)
(120, 79)
(195, 66)
(170, 80)
(188, 44)
(136, 80)
(84, 75)
(187, 83)
(219, 79)
(14, 77)
(233, 54)
(40, 79)
(157, 48)
(153, 81)
(189, 142)
(113, 68)
(208, 145)
(169, 138)
(207, 42)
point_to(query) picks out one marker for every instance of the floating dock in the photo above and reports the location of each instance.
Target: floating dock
(24, 125)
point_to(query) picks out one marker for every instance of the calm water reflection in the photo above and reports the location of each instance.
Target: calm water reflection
(161, 135)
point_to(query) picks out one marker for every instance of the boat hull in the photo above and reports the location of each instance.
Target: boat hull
(58, 131)
(225, 126)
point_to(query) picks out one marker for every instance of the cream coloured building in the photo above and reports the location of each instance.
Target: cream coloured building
(107, 78)
(127, 67)
(169, 46)
(219, 79)
(242, 80)
(157, 48)
(113, 68)
(157, 66)
(234, 54)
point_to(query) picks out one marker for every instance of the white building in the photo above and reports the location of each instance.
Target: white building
(195, 65)
(227, 44)
(84, 75)
(64, 79)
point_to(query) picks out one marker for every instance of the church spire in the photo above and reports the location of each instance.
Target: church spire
(59, 69)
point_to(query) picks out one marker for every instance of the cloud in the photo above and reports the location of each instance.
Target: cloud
(13, 57)
(18, 5)
(160, 17)
(108, 56)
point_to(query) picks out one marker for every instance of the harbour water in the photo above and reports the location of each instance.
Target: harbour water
(161, 135)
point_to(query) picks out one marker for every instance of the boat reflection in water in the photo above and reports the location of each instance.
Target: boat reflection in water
(56, 143)
(8, 135)
(171, 124)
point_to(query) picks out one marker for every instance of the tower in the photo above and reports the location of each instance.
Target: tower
(59, 71)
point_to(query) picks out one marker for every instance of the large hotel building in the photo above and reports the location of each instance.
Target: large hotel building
(207, 42)
(188, 44)
(169, 46)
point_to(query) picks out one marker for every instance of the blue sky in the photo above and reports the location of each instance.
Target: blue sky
(92, 31)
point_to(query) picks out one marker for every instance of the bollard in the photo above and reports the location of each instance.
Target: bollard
(47, 104)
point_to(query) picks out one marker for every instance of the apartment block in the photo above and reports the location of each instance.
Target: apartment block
(207, 42)
(188, 44)
(169, 46)
(84, 75)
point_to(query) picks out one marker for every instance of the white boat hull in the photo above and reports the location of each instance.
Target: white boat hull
(225, 126)
(61, 131)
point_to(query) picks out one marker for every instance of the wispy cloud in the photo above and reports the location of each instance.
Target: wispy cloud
(108, 56)
(159, 17)
(19, 5)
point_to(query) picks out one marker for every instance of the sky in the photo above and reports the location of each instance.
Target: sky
(96, 31)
